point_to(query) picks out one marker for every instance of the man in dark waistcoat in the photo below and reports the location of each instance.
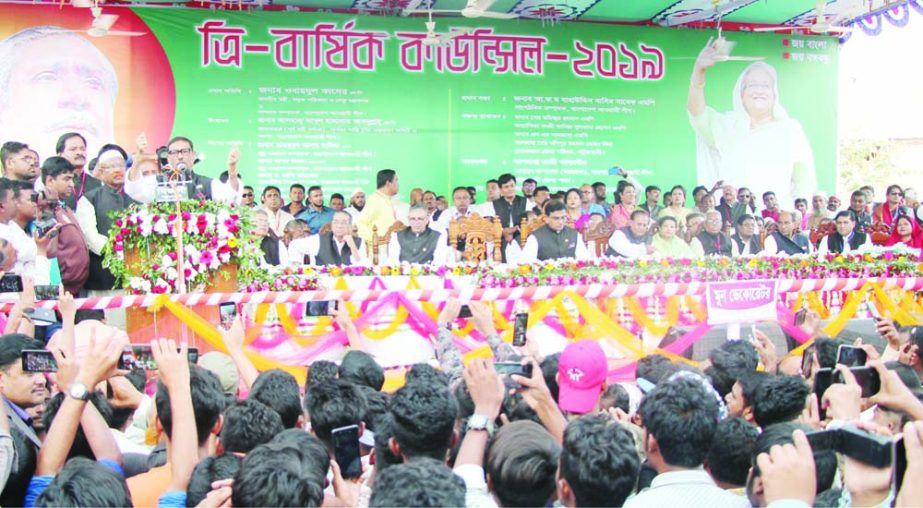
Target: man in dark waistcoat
(554, 240)
(418, 243)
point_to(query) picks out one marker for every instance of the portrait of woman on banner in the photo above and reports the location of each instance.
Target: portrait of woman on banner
(756, 144)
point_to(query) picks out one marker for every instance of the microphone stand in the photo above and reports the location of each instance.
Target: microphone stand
(174, 180)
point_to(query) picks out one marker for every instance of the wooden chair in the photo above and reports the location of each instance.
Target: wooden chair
(526, 228)
(378, 241)
(600, 236)
(826, 227)
(477, 232)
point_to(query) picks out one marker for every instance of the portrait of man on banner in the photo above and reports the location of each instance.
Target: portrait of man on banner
(53, 81)
(756, 144)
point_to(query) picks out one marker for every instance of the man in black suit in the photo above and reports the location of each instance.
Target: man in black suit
(510, 208)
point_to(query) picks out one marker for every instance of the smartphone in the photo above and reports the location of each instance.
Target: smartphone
(507, 369)
(900, 463)
(867, 377)
(807, 362)
(46, 292)
(346, 451)
(38, 360)
(752, 333)
(42, 227)
(823, 378)
(866, 447)
(141, 358)
(465, 312)
(41, 317)
(519, 329)
(227, 313)
(851, 356)
(10, 283)
(322, 308)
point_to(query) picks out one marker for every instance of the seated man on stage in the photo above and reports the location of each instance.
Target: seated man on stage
(846, 239)
(338, 247)
(634, 240)
(711, 241)
(274, 251)
(745, 239)
(419, 243)
(785, 241)
(555, 239)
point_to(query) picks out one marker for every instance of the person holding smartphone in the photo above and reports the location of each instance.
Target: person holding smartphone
(447, 353)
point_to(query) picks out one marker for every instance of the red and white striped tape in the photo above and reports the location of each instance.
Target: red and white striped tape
(485, 294)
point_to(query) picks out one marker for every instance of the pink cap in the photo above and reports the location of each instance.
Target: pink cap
(582, 370)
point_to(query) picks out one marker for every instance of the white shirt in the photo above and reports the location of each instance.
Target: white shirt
(442, 225)
(530, 251)
(86, 218)
(622, 245)
(144, 190)
(689, 488)
(26, 250)
(310, 246)
(283, 256)
(440, 255)
(771, 248)
(351, 210)
(699, 250)
(824, 247)
(278, 220)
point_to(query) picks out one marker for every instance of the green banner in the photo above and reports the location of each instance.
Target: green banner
(329, 99)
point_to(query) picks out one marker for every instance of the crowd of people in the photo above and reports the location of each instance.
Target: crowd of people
(56, 214)
(746, 427)
(518, 429)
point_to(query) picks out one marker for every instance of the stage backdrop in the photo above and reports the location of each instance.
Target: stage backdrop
(324, 98)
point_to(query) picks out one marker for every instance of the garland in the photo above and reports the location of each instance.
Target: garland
(215, 235)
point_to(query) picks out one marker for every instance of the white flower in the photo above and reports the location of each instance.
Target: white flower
(166, 261)
(161, 227)
(172, 273)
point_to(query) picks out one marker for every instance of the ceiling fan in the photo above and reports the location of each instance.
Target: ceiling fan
(474, 9)
(102, 23)
(823, 23)
(436, 39)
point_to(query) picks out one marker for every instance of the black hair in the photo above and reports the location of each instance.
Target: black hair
(384, 177)
(89, 315)
(296, 186)
(9, 148)
(277, 475)
(505, 178)
(743, 218)
(208, 402)
(337, 195)
(248, 424)
(309, 446)
(768, 193)
(278, 390)
(427, 374)
(180, 138)
(321, 371)
(549, 367)
(781, 434)
(682, 416)
(655, 368)
(270, 188)
(358, 367)
(599, 461)
(598, 185)
(12, 345)
(516, 408)
(779, 399)
(80, 447)
(542, 188)
(826, 350)
(55, 166)
(378, 404)
(6, 185)
(521, 462)
(112, 146)
(208, 470)
(728, 362)
(529, 180)
(729, 456)
(424, 419)
(615, 396)
(749, 382)
(554, 205)
(83, 482)
(334, 404)
(650, 188)
(120, 415)
(849, 214)
(384, 457)
(698, 189)
(639, 212)
(313, 188)
(421, 483)
(59, 146)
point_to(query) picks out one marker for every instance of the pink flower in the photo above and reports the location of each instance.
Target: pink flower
(118, 223)
(186, 216)
(118, 247)
(172, 255)
(206, 258)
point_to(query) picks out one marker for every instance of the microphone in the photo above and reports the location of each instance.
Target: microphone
(181, 169)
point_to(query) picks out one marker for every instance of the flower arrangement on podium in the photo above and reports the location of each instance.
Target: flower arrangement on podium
(142, 250)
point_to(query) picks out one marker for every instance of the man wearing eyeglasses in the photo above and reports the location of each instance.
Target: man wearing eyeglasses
(419, 243)
(19, 162)
(711, 241)
(554, 240)
(247, 199)
(181, 157)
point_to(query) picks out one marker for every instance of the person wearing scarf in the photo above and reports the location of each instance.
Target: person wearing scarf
(667, 244)
(906, 232)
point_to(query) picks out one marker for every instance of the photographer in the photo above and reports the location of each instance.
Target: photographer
(67, 242)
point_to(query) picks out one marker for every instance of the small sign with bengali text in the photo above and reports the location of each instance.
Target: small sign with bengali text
(740, 301)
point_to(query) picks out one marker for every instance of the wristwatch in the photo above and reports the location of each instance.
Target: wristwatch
(481, 422)
(79, 391)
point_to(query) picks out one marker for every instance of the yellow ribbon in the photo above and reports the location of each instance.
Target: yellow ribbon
(899, 314)
(849, 309)
(815, 304)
